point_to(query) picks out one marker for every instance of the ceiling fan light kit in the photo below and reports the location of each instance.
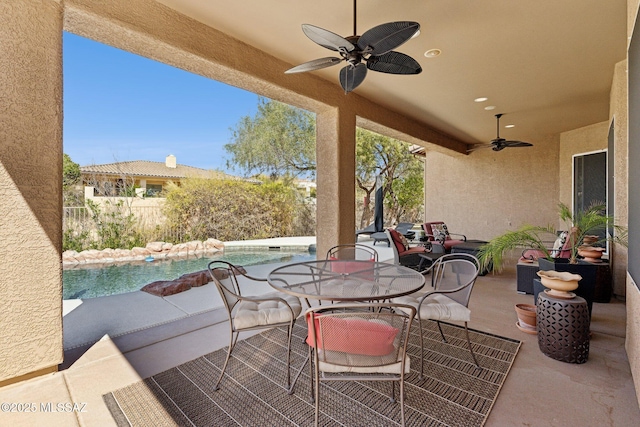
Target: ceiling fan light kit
(371, 51)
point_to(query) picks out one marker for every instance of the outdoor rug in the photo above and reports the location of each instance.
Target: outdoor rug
(252, 393)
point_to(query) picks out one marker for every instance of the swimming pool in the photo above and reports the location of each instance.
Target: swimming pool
(120, 278)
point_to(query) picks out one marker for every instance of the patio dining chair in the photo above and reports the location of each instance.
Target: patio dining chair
(354, 251)
(454, 276)
(255, 312)
(359, 342)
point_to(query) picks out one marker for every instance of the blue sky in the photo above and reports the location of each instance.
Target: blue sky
(119, 106)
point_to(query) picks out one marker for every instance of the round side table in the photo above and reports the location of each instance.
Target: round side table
(563, 328)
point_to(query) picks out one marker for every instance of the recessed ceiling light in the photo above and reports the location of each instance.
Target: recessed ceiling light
(481, 99)
(416, 34)
(490, 107)
(510, 126)
(432, 53)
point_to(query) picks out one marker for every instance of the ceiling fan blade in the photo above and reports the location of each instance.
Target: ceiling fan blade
(394, 63)
(517, 144)
(316, 64)
(383, 38)
(327, 39)
(351, 77)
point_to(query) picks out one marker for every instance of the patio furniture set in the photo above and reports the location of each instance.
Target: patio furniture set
(437, 242)
(359, 326)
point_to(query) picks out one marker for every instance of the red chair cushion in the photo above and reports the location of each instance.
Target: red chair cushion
(354, 336)
(395, 236)
(415, 250)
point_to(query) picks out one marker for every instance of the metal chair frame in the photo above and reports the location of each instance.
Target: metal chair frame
(354, 248)
(463, 292)
(231, 298)
(379, 310)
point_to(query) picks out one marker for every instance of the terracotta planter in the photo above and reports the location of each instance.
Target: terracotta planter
(559, 282)
(590, 253)
(526, 316)
(590, 239)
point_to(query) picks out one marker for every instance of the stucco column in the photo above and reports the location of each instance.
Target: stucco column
(336, 160)
(30, 188)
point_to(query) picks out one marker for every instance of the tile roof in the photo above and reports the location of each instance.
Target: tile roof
(152, 169)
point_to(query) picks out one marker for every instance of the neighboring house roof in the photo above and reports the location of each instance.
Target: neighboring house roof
(150, 169)
(418, 150)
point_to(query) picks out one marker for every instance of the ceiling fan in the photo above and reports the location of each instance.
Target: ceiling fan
(501, 143)
(374, 47)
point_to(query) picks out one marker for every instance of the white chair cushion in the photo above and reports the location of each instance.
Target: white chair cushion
(346, 362)
(250, 313)
(438, 307)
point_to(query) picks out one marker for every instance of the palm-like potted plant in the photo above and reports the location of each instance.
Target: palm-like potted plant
(590, 222)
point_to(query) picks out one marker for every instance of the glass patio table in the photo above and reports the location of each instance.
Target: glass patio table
(345, 280)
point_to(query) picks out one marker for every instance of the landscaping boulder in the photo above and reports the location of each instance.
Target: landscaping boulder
(199, 277)
(155, 246)
(163, 288)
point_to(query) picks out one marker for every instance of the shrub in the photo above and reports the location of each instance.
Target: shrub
(230, 209)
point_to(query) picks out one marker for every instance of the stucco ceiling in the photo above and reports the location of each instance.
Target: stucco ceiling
(546, 64)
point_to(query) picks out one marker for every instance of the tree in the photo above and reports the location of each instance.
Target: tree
(402, 176)
(70, 171)
(70, 179)
(278, 141)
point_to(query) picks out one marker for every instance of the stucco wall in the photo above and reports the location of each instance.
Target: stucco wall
(579, 141)
(30, 187)
(487, 193)
(620, 198)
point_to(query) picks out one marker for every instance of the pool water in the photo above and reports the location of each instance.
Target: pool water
(120, 278)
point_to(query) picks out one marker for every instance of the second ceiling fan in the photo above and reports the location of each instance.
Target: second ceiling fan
(498, 143)
(374, 47)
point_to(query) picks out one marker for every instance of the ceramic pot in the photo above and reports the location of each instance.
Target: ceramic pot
(526, 315)
(560, 282)
(590, 240)
(590, 253)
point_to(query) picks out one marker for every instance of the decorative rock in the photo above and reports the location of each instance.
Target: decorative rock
(159, 250)
(92, 255)
(155, 246)
(140, 252)
(194, 246)
(164, 288)
(201, 277)
(213, 245)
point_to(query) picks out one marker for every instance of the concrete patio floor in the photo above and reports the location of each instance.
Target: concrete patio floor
(149, 336)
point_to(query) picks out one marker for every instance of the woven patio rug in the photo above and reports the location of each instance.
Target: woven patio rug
(453, 393)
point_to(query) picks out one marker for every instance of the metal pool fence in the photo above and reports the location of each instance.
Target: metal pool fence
(148, 221)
